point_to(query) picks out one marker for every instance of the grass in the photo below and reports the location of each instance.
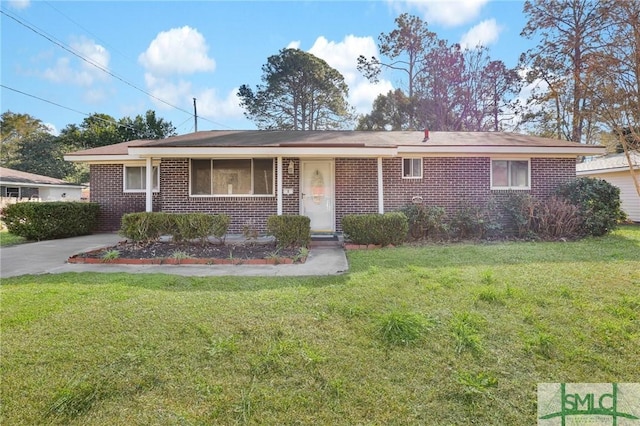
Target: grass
(9, 239)
(443, 334)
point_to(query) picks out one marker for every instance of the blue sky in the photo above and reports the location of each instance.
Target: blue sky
(177, 51)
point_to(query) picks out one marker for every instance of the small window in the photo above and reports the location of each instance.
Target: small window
(232, 177)
(510, 174)
(412, 168)
(135, 178)
(12, 192)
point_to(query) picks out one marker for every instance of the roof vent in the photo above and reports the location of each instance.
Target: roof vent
(426, 135)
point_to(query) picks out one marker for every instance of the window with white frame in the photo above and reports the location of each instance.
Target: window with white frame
(248, 176)
(510, 174)
(412, 168)
(135, 178)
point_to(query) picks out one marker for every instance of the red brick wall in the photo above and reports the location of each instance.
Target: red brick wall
(447, 182)
(356, 185)
(107, 190)
(174, 185)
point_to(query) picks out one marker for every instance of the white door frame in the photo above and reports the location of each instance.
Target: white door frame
(304, 166)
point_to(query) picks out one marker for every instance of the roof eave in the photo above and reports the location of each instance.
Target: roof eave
(173, 152)
(509, 150)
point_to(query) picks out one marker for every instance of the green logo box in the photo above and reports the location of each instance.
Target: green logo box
(593, 404)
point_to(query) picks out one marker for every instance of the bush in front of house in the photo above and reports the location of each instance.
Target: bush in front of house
(144, 226)
(471, 221)
(191, 226)
(290, 230)
(150, 226)
(426, 222)
(598, 202)
(50, 220)
(374, 228)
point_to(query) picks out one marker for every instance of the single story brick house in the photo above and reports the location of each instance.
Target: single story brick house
(325, 175)
(614, 168)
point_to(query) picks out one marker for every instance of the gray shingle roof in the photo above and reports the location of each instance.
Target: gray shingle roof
(17, 176)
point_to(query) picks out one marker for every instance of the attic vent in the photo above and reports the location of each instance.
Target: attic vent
(426, 135)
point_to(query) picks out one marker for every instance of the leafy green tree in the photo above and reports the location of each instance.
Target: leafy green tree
(300, 92)
(15, 129)
(147, 127)
(42, 154)
(390, 112)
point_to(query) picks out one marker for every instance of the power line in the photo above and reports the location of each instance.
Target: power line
(70, 109)
(98, 66)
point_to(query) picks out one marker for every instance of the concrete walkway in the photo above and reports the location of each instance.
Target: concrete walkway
(50, 257)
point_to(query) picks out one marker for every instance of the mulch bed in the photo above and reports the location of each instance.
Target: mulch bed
(166, 252)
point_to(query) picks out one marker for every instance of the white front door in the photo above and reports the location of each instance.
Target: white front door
(317, 194)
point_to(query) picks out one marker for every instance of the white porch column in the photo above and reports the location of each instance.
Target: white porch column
(380, 187)
(279, 190)
(149, 187)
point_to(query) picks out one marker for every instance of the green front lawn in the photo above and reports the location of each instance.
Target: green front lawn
(8, 239)
(444, 334)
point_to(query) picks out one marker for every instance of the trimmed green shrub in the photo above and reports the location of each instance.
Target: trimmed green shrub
(425, 222)
(144, 226)
(191, 226)
(290, 230)
(150, 226)
(375, 228)
(598, 201)
(50, 220)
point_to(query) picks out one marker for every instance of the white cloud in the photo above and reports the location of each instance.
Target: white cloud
(211, 105)
(294, 45)
(483, 34)
(445, 12)
(170, 92)
(79, 72)
(342, 56)
(19, 4)
(177, 51)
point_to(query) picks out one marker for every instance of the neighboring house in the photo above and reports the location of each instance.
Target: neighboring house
(23, 185)
(325, 175)
(614, 168)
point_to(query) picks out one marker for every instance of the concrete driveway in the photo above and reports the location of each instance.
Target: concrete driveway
(50, 257)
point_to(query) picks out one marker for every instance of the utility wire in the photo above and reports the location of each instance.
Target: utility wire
(65, 107)
(100, 67)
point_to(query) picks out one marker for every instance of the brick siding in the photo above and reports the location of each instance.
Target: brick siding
(447, 182)
(107, 190)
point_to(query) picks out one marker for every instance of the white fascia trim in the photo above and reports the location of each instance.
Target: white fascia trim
(473, 151)
(602, 171)
(101, 159)
(235, 152)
